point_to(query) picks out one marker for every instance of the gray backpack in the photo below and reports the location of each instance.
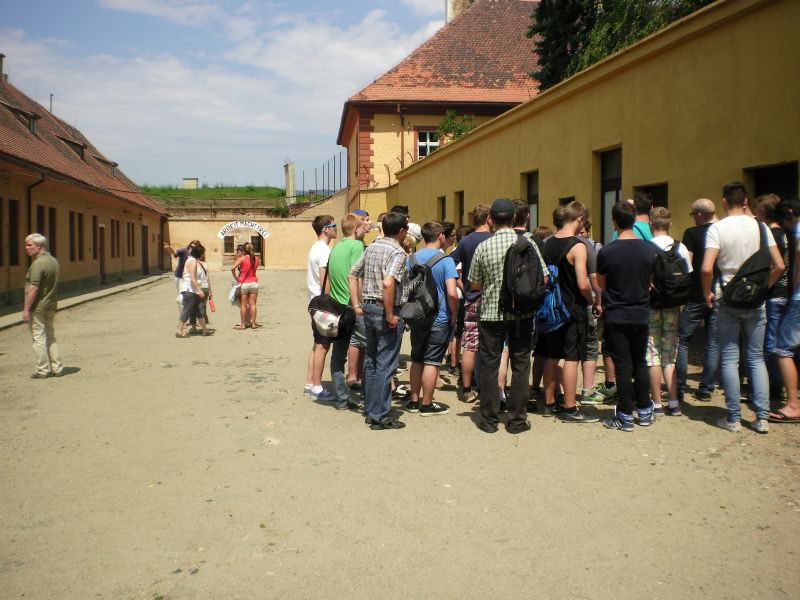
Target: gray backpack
(423, 297)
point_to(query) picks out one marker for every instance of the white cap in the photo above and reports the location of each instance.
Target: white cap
(415, 230)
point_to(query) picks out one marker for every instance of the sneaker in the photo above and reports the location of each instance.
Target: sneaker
(40, 375)
(728, 425)
(549, 410)
(429, 410)
(503, 405)
(619, 421)
(761, 426)
(412, 406)
(518, 427)
(672, 412)
(576, 417)
(531, 406)
(470, 397)
(591, 396)
(400, 393)
(646, 417)
(323, 396)
(658, 409)
(387, 423)
(609, 393)
(702, 396)
(536, 393)
(344, 404)
(307, 391)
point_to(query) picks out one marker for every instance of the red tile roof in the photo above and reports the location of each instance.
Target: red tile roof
(51, 149)
(481, 56)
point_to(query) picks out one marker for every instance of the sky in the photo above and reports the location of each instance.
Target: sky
(222, 90)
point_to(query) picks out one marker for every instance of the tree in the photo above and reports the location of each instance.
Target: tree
(561, 29)
(451, 127)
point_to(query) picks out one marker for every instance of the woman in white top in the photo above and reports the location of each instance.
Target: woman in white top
(192, 293)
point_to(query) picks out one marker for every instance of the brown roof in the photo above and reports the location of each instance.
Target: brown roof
(55, 146)
(481, 56)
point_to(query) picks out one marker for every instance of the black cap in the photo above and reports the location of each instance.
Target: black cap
(502, 208)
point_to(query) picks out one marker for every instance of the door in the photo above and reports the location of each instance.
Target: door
(145, 258)
(102, 252)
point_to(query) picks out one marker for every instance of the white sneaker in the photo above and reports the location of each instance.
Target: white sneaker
(761, 426)
(729, 426)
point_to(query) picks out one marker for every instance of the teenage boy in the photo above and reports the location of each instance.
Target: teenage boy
(325, 228)
(429, 344)
(342, 258)
(496, 327)
(463, 255)
(624, 272)
(696, 310)
(642, 205)
(565, 251)
(729, 243)
(662, 339)
(380, 297)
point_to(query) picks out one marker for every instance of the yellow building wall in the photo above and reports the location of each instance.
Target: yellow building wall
(694, 107)
(64, 197)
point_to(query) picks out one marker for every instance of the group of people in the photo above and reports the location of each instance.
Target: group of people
(608, 294)
(195, 296)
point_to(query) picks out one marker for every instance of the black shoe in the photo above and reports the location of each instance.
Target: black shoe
(531, 407)
(702, 396)
(412, 406)
(387, 423)
(434, 408)
(487, 427)
(503, 406)
(518, 427)
(576, 417)
(550, 410)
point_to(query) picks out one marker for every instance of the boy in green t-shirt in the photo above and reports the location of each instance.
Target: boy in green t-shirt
(344, 255)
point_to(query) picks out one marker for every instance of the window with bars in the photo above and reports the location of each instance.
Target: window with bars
(427, 142)
(52, 228)
(72, 235)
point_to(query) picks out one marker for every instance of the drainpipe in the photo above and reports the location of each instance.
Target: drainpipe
(29, 202)
(402, 140)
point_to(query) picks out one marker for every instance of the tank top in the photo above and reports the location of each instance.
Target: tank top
(555, 253)
(246, 273)
(186, 279)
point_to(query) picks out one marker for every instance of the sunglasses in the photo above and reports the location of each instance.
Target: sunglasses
(331, 226)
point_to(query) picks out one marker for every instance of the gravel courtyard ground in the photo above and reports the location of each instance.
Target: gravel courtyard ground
(195, 468)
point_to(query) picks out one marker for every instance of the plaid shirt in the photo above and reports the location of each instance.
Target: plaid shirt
(487, 270)
(383, 257)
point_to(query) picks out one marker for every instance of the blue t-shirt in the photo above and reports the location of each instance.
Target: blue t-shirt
(183, 254)
(463, 254)
(443, 270)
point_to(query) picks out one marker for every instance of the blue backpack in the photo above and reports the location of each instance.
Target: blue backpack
(553, 313)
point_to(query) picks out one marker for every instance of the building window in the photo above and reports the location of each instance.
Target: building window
(441, 207)
(610, 188)
(94, 237)
(72, 235)
(40, 223)
(777, 179)
(51, 233)
(427, 142)
(256, 241)
(459, 208)
(532, 196)
(659, 193)
(566, 200)
(80, 236)
(228, 244)
(130, 238)
(115, 242)
(13, 232)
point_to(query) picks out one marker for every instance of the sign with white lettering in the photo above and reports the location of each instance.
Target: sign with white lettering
(233, 225)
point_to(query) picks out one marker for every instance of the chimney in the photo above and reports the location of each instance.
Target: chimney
(456, 7)
(2, 76)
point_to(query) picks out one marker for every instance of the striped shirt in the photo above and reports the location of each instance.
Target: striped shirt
(383, 257)
(487, 270)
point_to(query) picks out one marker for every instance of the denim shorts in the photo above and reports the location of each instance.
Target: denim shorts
(359, 335)
(788, 338)
(428, 346)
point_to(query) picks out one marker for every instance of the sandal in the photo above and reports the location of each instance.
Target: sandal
(255, 325)
(239, 327)
(178, 335)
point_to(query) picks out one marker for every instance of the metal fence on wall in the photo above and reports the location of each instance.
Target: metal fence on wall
(319, 182)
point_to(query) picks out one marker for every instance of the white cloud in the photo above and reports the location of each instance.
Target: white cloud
(426, 8)
(232, 116)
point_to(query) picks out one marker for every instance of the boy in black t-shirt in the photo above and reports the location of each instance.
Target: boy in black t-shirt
(624, 272)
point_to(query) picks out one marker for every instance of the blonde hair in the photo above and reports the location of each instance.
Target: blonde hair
(349, 224)
(660, 219)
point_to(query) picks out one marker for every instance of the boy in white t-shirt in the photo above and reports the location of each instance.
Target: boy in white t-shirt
(325, 228)
(662, 341)
(729, 243)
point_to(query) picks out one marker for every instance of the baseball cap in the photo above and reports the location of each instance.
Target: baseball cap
(360, 212)
(502, 208)
(415, 230)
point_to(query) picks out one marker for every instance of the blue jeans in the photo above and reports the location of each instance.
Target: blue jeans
(775, 309)
(747, 325)
(338, 359)
(692, 315)
(787, 340)
(380, 360)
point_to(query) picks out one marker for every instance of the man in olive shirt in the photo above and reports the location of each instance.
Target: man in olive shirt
(39, 310)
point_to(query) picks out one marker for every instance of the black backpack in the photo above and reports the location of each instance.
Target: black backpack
(750, 285)
(423, 298)
(523, 286)
(671, 279)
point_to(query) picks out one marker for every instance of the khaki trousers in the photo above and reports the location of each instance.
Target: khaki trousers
(45, 347)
